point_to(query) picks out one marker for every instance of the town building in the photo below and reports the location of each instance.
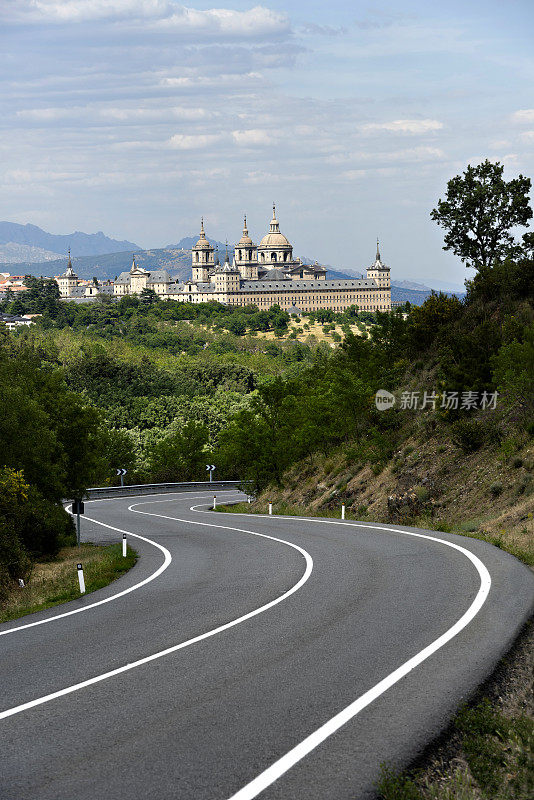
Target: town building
(13, 321)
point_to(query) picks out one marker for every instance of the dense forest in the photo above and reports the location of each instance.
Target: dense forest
(161, 388)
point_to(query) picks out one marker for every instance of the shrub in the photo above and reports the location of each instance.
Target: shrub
(468, 434)
(496, 489)
(422, 493)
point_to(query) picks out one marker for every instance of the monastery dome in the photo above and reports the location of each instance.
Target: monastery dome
(274, 238)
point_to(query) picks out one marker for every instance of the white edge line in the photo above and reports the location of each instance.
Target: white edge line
(153, 576)
(296, 754)
(104, 676)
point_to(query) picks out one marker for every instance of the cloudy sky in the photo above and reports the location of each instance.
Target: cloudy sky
(137, 116)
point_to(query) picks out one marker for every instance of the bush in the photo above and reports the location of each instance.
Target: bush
(468, 434)
(496, 489)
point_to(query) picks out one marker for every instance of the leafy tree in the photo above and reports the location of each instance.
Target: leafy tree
(513, 370)
(480, 211)
(148, 296)
(180, 456)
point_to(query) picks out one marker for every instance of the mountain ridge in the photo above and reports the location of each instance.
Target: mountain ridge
(13, 233)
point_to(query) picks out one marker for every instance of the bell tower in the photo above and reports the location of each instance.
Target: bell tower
(246, 255)
(202, 257)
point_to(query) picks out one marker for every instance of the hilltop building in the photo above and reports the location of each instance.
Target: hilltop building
(263, 275)
(267, 274)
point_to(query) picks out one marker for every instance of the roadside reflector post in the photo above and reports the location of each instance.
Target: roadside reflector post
(214, 501)
(124, 545)
(81, 579)
(342, 510)
(249, 500)
(270, 508)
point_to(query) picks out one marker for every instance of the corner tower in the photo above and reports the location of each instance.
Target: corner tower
(379, 272)
(68, 280)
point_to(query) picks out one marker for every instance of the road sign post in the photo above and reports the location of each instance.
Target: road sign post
(210, 468)
(122, 472)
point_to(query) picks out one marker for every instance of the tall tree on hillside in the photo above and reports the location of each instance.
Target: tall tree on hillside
(479, 213)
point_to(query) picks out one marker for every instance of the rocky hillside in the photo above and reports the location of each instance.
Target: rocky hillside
(431, 482)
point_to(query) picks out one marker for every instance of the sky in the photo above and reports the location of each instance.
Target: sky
(136, 117)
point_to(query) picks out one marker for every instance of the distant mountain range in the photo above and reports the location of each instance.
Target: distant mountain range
(28, 250)
(26, 241)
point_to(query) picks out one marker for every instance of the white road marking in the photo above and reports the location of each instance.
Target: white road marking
(98, 678)
(296, 754)
(153, 576)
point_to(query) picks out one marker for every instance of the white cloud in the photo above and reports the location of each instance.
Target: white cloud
(160, 14)
(255, 137)
(524, 115)
(404, 126)
(181, 141)
(528, 136)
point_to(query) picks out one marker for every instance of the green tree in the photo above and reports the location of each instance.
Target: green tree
(513, 370)
(479, 213)
(180, 456)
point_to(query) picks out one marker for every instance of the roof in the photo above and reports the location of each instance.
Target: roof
(159, 276)
(319, 285)
(276, 275)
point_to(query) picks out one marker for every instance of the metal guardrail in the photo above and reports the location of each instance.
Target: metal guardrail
(157, 488)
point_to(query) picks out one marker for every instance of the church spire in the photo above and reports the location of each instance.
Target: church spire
(245, 229)
(377, 250)
(69, 272)
(275, 227)
(134, 265)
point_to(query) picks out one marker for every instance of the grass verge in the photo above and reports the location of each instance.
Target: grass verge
(488, 751)
(55, 582)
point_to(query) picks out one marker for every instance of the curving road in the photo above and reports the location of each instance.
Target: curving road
(248, 656)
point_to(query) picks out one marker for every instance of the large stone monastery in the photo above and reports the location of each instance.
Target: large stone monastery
(263, 275)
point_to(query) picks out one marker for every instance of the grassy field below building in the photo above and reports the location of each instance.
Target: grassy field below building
(55, 582)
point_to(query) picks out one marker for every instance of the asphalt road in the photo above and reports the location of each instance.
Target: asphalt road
(340, 647)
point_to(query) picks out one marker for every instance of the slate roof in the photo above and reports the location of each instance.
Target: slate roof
(316, 285)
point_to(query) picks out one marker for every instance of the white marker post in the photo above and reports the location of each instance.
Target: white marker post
(81, 579)
(270, 508)
(214, 501)
(342, 510)
(249, 500)
(124, 545)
